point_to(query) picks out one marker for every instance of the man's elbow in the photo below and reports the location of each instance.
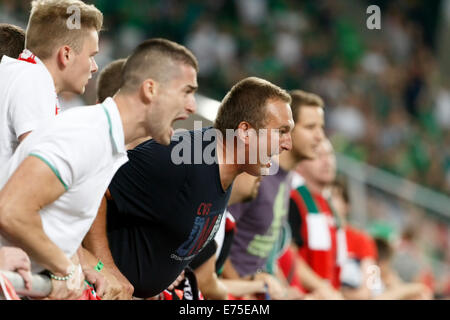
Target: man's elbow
(8, 221)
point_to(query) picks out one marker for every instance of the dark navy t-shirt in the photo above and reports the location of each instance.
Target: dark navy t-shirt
(162, 214)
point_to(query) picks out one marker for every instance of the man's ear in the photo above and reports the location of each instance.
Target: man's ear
(148, 90)
(244, 132)
(64, 55)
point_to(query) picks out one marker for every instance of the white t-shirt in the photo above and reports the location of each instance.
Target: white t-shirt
(220, 234)
(28, 97)
(84, 146)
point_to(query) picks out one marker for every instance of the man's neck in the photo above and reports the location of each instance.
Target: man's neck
(227, 171)
(54, 72)
(314, 186)
(133, 120)
(288, 160)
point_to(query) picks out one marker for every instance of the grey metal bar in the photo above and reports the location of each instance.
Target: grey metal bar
(41, 286)
(402, 188)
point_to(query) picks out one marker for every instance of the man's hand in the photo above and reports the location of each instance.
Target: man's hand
(120, 287)
(98, 280)
(15, 259)
(71, 289)
(327, 292)
(274, 288)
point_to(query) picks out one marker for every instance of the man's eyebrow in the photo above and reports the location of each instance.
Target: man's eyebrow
(191, 87)
(287, 127)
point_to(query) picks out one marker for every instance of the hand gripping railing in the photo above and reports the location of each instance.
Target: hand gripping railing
(41, 285)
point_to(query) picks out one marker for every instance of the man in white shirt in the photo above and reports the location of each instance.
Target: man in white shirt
(58, 57)
(53, 184)
(12, 42)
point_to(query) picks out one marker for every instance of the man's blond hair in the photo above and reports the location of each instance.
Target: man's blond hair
(49, 25)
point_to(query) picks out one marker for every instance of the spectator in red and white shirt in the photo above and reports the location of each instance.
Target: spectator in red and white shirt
(359, 250)
(314, 226)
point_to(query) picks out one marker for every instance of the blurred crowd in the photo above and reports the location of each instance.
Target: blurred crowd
(387, 101)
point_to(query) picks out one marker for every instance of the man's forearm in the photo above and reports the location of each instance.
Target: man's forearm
(214, 289)
(29, 236)
(229, 272)
(21, 200)
(96, 240)
(208, 282)
(86, 258)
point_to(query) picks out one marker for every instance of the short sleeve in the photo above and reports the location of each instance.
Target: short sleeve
(204, 255)
(33, 99)
(65, 153)
(56, 160)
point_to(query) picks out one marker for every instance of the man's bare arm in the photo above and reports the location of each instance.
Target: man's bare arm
(96, 241)
(208, 282)
(32, 186)
(313, 282)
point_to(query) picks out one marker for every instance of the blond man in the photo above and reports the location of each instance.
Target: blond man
(58, 56)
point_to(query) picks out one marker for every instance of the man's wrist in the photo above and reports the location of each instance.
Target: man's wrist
(63, 276)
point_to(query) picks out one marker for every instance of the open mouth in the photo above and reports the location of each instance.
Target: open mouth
(180, 118)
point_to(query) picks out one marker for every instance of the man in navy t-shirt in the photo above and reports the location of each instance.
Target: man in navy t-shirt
(167, 202)
(162, 214)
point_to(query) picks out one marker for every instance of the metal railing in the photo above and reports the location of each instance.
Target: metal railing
(361, 175)
(41, 285)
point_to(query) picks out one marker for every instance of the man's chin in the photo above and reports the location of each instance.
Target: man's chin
(79, 91)
(308, 156)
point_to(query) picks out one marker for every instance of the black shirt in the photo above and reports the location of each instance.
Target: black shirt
(295, 222)
(163, 214)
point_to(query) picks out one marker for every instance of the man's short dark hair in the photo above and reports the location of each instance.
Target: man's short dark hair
(246, 101)
(153, 59)
(12, 40)
(109, 80)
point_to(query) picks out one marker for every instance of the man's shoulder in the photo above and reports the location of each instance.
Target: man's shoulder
(185, 148)
(12, 70)
(205, 135)
(23, 66)
(86, 116)
(77, 125)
